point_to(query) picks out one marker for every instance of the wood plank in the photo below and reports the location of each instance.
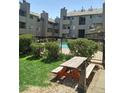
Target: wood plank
(74, 62)
(98, 56)
(56, 70)
(96, 61)
(89, 69)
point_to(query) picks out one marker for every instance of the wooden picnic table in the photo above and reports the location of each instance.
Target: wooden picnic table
(76, 69)
(70, 68)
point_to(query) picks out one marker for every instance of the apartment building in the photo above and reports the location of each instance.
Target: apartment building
(98, 31)
(80, 23)
(36, 24)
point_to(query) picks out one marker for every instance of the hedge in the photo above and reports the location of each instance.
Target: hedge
(37, 48)
(52, 49)
(100, 46)
(82, 47)
(24, 43)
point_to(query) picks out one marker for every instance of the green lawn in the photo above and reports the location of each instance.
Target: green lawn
(36, 72)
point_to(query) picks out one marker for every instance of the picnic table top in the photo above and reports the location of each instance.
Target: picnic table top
(74, 62)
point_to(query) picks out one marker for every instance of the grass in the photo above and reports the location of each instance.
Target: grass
(36, 72)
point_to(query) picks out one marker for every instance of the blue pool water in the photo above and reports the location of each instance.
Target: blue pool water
(64, 45)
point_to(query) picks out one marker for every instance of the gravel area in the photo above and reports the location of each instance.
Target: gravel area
(54, 88)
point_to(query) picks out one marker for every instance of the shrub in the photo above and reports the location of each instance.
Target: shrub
(51, 39)
(100, 46)
(37, 48)
(82, 47)
(24, 43)
(64, 57)
(52, 49)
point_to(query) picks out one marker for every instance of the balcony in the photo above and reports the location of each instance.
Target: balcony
(97, 20)
(66, 31)
(66, 21)
(50, 26)
(22, 18)
(96, 36)
(56, 27)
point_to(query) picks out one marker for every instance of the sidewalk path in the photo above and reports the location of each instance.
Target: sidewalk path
(65, 51)
(98, 83)
(97, 58)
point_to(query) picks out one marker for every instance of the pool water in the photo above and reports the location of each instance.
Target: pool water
(64, 45)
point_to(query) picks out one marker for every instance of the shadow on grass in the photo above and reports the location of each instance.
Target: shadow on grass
(65, 57)
(22, 56)
(62, 57)
(49, 60)
(33, 58)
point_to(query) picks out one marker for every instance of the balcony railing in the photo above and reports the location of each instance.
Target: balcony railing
(65, 31)
(66, 21)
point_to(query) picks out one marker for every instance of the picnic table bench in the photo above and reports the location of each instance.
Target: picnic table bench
(89, 69)
(56, 70)
(59, 71)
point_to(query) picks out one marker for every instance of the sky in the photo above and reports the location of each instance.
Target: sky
(52, 7)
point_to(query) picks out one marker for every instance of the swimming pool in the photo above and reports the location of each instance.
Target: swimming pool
(64, 45)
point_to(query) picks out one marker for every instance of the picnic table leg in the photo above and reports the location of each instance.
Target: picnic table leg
(82, 80)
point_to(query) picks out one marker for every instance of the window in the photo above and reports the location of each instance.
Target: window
(56, 24)
(81, 33)
(49, 22)
(99, 15)
(49, 30)
(38, 20)
(91, 16)
(68, 18)
(64, 17)
(56, 31)
(22, 25)
(22, 12)
(65, 26)
(72, 18)
(82, 20)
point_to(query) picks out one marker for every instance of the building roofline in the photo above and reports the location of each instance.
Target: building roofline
(38, 15)
(79, 13)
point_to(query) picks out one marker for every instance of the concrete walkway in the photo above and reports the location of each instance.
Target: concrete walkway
(65, 51)
(97, 58)
(98, 83)
(98, 55)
